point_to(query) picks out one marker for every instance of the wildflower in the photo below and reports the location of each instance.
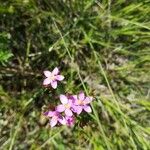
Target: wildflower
(65, 106)
(81, 102)
(70, 120)
(52, 78)
(56, 117)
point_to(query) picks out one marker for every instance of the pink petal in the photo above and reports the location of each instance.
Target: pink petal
(70, 102)
(46, 81)
(53, 122)
(78, 109)
(54, 84)
(55, 71)
(88, 100)
(81, 96)
(63, 99)
(60, 108)
(47, 73)
(51, 113)
(68, 112)
(74, 98)
(74, 108)
(62, 120)
(87, 109)
(59, 77)
(76, 102)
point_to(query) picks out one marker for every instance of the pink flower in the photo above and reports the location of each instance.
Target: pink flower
(82, 103)
(56, 117)
(70, 120)
(52, 78)
(65, 106)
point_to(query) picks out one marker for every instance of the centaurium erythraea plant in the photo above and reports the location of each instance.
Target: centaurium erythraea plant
(65, 112)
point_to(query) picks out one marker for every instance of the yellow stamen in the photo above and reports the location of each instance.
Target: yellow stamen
(80, 102)
(67, 105)
(52, 77)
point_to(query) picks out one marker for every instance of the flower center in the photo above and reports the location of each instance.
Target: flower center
(67, 105)
(80, 102)
(52, 77)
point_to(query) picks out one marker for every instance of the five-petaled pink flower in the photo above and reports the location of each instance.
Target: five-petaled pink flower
(81, 102)
(56, 117)
(52, 78)
(65, 106)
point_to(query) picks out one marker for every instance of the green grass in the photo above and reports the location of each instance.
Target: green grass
(101, 47)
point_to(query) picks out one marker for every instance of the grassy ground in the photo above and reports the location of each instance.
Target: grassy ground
(101, 47)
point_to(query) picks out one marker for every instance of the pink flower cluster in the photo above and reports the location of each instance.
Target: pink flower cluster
(70, 106)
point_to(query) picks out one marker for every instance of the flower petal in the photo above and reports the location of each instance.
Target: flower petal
(51, 113)
(63, 99)
(74, 98)
(46, 81)
(60, 108)
(59, 77)
(81, 96)
(47, 73)
(76, 102)
(55, 71)
(54, 84)
(70, 102)
(68, 112)
(53, 122)
(78, 109)
(62, 120)
(87, 108)
(88, 100)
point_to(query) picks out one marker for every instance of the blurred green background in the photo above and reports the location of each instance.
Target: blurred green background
(101, 47)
